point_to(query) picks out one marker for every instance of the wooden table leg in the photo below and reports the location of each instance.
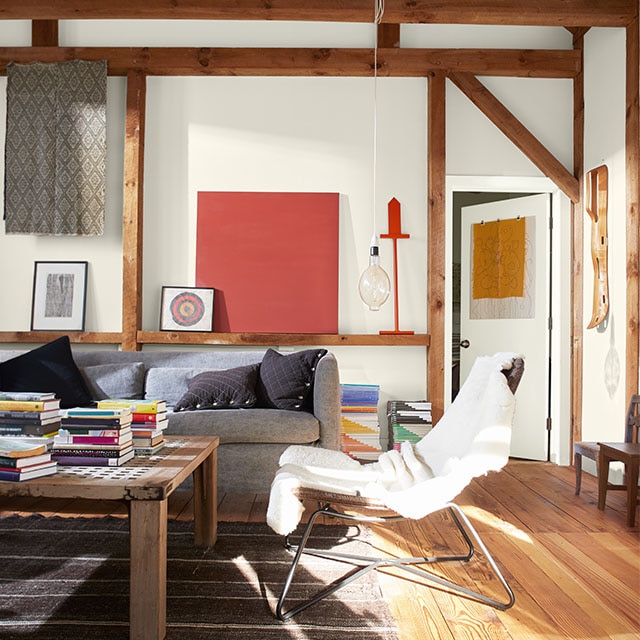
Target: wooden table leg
(148, 599)
(632, 491)
(205, 502)
(603, 478)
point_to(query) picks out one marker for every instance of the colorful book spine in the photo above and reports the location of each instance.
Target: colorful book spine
(28, 396)
(29, 474)
(148, 417)
(29, 405)
(136, 406)
(104, 441)
(19, 463)
(96, 412)
(93, 461)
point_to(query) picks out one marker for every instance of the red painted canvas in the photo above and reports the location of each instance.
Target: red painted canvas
(272, 259)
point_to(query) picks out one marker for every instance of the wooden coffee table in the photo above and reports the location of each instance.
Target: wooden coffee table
(145, 483)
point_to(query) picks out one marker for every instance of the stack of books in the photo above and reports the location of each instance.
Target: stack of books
(359, 426)
(21, 460)
(29, 415)
(408, 420)
(149, 421)
(90, 436)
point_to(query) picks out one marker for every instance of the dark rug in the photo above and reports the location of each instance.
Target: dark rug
(69, 578)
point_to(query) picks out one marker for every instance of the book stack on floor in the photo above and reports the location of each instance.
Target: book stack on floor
(359, 426)
(149, 420)
(22, 460)
(408, 420)
(94, 437)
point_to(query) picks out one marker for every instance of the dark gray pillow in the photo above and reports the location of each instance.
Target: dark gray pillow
(226, 389)
(286, 382)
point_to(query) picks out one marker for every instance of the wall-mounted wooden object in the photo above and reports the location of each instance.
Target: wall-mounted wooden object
(596, 204)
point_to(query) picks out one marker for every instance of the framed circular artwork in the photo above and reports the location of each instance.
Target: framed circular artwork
(186, 309)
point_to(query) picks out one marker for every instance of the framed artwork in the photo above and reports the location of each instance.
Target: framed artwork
(186, 309)
(59, 296)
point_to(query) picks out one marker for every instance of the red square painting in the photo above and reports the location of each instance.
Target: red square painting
(272, 259)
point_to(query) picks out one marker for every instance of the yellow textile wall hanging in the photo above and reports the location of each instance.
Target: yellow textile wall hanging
(498, 259)
(503, 273)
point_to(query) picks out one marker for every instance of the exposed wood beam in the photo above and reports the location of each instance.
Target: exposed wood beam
(436, 240)
(517, 133)
(44, 33)
(632, 145)
(133, 210)
(388, 36)
(308, 62)
(578, 13)
(578, 33)
(577, 256)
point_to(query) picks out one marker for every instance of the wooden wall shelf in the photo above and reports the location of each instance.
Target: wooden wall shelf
(281, 339)
(229, 339)
(84, 337)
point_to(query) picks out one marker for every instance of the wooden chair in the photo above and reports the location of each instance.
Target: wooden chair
(358, 509)
(591, 450)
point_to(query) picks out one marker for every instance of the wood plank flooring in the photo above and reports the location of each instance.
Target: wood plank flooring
(575, 570)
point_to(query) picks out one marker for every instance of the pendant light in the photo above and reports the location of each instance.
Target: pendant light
(374, 285)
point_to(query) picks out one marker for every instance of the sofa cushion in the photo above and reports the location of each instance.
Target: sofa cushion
(227, 389)
(115, 380)
(50, 367)
(286, 381)
(170, 383)
(248, 426)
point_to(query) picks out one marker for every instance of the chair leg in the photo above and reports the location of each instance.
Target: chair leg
(364, 564)
(577, 463)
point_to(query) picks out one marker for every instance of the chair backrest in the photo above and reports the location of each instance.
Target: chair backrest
(514, 374)
(476, 427)
(633, 419)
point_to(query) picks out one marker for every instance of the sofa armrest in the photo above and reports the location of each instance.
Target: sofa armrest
(326, 401)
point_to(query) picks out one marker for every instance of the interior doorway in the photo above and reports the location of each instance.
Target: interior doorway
(467, 190)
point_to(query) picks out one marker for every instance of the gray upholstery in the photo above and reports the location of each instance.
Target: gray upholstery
(251, 440)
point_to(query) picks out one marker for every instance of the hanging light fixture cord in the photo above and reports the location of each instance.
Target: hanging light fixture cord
(379, 11)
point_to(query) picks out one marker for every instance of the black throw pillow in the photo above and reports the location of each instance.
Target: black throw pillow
(226, 389)
(286, 381)
(50, 367)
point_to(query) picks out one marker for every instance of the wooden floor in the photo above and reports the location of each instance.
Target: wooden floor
(575, 570)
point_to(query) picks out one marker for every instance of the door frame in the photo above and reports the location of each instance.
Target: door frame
(560, 306)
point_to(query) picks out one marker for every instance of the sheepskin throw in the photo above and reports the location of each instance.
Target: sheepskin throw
(55, 148)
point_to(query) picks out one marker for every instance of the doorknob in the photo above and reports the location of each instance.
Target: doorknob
(465, 344)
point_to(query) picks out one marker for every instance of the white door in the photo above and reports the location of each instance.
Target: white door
(492, 320)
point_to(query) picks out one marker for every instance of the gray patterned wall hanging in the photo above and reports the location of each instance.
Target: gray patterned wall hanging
(55, 148)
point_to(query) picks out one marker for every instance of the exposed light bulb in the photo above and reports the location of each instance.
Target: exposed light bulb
(374, 285)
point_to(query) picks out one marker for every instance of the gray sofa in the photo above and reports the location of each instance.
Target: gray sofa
(251, 440)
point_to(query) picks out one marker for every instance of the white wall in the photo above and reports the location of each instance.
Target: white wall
(604, 403)
(295, 134)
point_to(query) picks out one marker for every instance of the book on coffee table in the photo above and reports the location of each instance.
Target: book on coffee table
(19, 448)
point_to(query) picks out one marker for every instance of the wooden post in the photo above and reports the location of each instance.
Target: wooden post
(436, 240)
(577, 250)
(132, 210)
(632, 146)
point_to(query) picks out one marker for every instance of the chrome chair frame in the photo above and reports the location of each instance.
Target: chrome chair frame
(364, 564)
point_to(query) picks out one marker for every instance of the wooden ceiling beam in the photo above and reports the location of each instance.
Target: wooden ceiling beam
(44, 33)
(517, 133)
(308, 62)
(572, 13)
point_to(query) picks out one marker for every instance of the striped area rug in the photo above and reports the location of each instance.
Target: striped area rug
(69, 578)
